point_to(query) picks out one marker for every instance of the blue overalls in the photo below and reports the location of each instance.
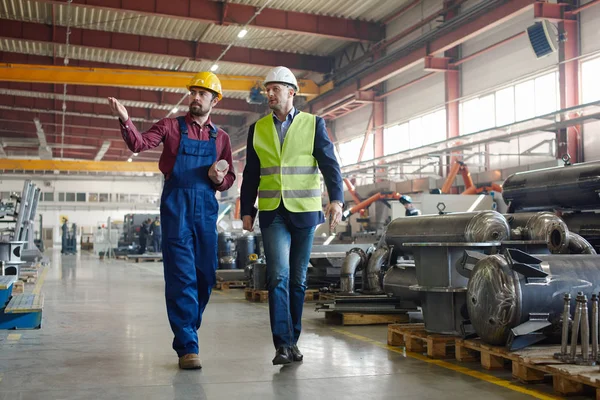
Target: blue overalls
(188, 212)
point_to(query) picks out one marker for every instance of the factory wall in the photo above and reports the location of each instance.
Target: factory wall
(103, 199)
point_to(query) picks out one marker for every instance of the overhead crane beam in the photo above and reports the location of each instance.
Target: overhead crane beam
(77, 166)
(129, 78)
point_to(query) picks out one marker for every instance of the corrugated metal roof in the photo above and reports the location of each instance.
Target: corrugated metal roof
(166, 27)
(99, 100)
(366, 10)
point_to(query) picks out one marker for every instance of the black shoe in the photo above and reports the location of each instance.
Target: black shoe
(283, 356)
(296, 355)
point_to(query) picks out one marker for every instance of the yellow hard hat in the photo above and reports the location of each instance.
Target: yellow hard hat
(207, 80)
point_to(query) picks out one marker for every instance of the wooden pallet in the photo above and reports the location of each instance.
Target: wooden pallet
(18, 288)
(353, 318)
(262, 296)
(140, 258)
(417, 340)
(532, 365)
(230, 285)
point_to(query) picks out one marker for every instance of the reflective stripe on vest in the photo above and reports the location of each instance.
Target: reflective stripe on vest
(288, 172)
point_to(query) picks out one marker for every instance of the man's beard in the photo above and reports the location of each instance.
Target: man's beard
(197, 110)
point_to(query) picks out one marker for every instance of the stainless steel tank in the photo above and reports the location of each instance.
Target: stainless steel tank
(568, 187)
(476, 227)
(517, 297)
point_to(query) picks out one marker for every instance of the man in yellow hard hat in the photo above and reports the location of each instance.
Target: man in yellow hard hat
(287, 151)
(193, 167)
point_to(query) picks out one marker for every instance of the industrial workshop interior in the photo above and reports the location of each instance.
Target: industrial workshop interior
(299, 199)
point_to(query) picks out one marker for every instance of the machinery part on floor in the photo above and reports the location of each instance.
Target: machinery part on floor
(472, 227)
(585, 331)
(372, 275)
(227, 262)
(228, 275)
(245, 245)
(356, 259)
(572, 187)
(225, 244)
(576, 327)
(10, 252)
(566, 318)
(326, 264)
(578, 245)
(524, 308)
(438, 243)
(259, 276)
(544, 226)
(371, 304)
(399, 278)
(586, 224)
(594, 327)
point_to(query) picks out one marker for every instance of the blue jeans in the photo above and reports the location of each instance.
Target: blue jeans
(287, 251)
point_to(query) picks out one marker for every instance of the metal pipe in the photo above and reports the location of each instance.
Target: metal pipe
(575, 330)
(585, 330)
(578, 245)
(594, 327)
(564, 344)
(355, 260)
(371, 283)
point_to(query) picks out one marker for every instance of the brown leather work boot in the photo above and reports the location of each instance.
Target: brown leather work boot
(190, 361)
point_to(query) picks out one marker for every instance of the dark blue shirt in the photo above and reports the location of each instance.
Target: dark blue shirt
(328, 165)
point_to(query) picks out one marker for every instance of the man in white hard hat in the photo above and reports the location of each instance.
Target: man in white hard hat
(285, 152)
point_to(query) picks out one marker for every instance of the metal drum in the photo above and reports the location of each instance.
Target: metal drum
(225, 244)
(227, 262)
(259, 276)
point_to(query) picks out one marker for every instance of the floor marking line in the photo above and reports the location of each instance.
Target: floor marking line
(13, 337)
(444, 364)
(38, 285)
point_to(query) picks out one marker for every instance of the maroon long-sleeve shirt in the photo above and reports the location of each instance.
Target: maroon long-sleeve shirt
(166, 131)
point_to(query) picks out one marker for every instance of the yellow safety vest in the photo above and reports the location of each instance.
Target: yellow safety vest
(288, 172)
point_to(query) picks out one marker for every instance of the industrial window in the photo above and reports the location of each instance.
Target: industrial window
(93, 197)
(349, 150)
(590, 80)
(104, 197)
(48, 196)
(70, 196)
(420, 131)
(80, 197)
(525, 100)
(505, 106)
(123, 197)
(61, 196)
(395, 139)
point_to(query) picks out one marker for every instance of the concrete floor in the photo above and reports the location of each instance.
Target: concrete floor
(105, 335)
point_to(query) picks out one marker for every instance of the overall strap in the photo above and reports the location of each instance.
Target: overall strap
(213, 132)
(182, 125)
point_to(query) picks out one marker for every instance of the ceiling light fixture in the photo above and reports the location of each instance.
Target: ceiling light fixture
(214, 67)
(242, 33)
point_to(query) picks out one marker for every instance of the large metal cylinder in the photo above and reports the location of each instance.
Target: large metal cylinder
(398, 280)
(499, 298)
(477, 227)
(259, 276)
(567, 187)
(245, 245)
(544, 226)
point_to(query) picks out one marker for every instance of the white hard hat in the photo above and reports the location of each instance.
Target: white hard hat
(281, 75)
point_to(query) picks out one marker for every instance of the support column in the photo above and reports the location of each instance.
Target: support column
(569, 139)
